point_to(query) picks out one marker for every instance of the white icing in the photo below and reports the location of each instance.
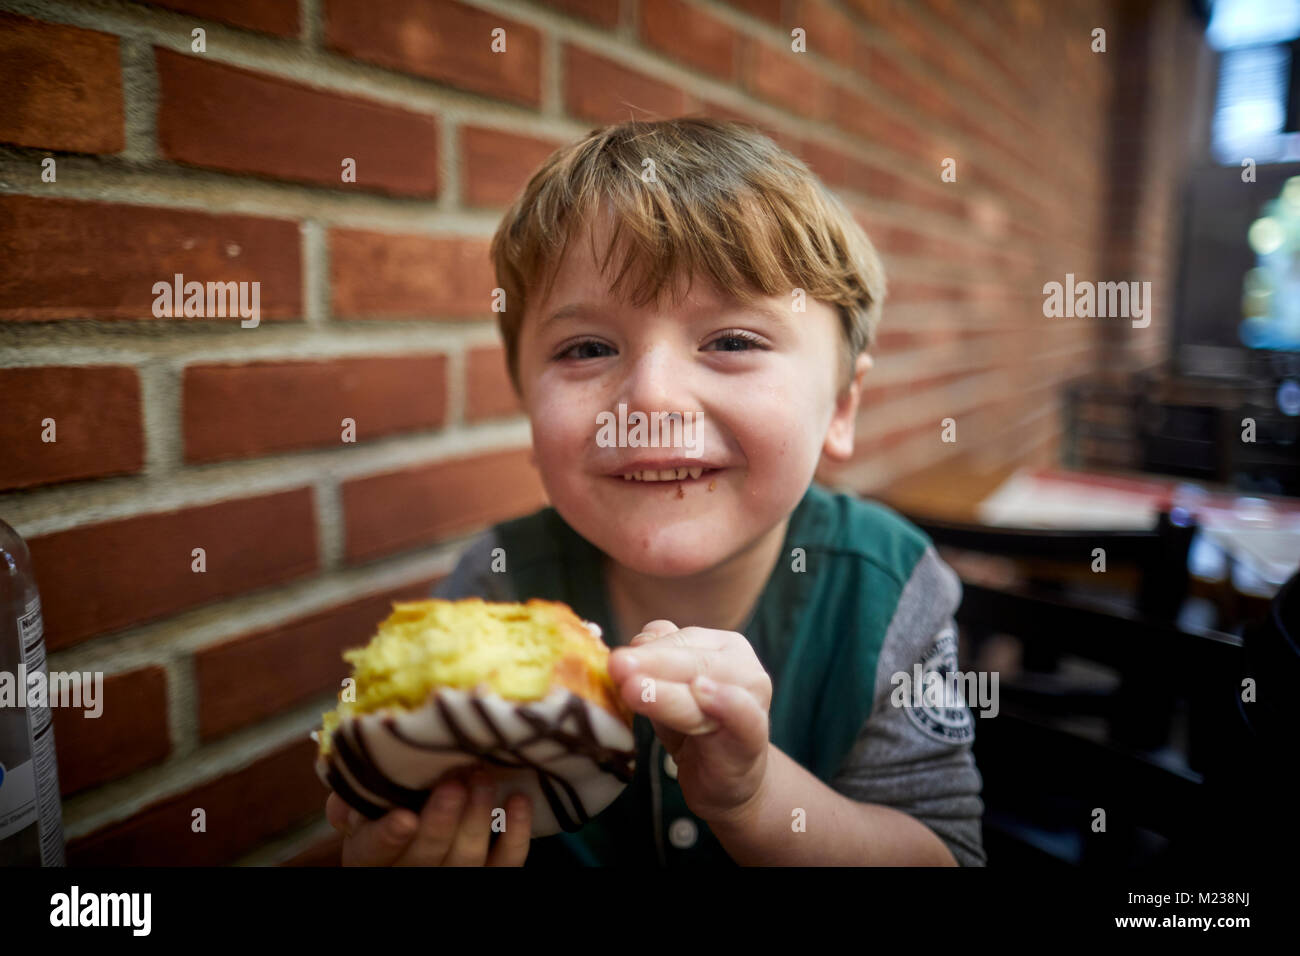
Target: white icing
(409, 766)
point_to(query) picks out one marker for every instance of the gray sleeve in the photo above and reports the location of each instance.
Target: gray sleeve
(918, 759)
(473, 575)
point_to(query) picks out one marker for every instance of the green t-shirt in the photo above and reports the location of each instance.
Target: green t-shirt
(858, 594)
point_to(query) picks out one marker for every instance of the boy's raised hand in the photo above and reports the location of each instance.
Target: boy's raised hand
(719, 737)
(456, 832)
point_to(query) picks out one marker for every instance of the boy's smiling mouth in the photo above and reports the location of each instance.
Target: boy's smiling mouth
(666, 470)
(670, 474)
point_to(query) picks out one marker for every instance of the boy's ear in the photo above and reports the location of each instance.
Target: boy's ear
(839, 437)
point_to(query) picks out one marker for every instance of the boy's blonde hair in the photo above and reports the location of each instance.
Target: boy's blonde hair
(724, 201)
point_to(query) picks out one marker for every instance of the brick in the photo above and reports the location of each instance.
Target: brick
(902, 291)
(896, 340)
(835, 168)
(445, 41)
(278, 17)
(63, 87)
(871, 446)
(603, 13)
(114, 574)
(719, 111)
(129, 734)
(223, 118)
(243, 810)
(495, 166)
(830, 33)
(784, 78)
(879, 394)
(97, 424)
(238, 411)
(242, 681)
(596, 88)
(488, 391)
(402, 509)
(840, 169)
(885, 184)
(913, 88)
(864, 117)
(769, 10)
(66, 259)
(686, 33)
(381, 275)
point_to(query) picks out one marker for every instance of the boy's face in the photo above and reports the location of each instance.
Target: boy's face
(763, 375)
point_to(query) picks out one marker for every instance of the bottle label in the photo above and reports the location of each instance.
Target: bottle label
(29, 791)
(31, 628)
(17, 798)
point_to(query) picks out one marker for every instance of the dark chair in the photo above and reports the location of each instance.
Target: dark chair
(1137, 717)
(1271, 463)
(1099, 425)
(1045, 776)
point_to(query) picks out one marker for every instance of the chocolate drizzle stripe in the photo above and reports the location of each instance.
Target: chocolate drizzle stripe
(585, 743)
(358, 761)
(353, 799)
(544, 778)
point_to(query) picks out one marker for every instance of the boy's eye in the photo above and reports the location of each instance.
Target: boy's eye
(736, 340)
(746, 340)
(584, 344)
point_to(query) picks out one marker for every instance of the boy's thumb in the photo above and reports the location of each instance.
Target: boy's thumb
(734, 708)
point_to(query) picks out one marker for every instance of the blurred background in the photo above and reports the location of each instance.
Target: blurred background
(354, 157)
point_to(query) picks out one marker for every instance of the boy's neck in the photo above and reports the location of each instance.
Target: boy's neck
(722, 597)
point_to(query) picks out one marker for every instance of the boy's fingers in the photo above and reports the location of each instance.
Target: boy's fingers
(673, 705)
(660, 631)
(653, 631)
(512, 845)
(735, 709)
(671, 739)
(438, 820)
(469, 845)
(664, 661)
(380, 842)
(336, 812)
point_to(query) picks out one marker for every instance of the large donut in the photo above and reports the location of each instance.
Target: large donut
(571, 751)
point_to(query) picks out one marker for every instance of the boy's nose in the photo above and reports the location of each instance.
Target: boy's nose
(656, 381)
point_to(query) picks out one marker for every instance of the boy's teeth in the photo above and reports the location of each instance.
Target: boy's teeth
(667, 474)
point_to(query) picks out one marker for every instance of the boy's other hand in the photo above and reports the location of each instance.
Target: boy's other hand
(451, 830)
(718, 738)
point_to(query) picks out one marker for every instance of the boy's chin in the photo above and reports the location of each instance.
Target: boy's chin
(668, 562)
(660, 552)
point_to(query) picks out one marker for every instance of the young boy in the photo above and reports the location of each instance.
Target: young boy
(769, 613)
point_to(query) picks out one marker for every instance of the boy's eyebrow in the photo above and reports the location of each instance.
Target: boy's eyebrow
(580, 309)
(572, 310)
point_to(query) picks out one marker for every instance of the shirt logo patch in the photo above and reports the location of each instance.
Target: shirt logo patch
(946, 719)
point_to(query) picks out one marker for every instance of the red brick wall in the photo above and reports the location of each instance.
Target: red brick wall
(182, 433)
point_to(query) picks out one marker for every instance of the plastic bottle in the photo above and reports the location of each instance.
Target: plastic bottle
(31, 811)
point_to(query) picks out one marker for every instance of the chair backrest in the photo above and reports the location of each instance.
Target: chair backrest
(1269, 463)
(1050, 785)
(1273, 662)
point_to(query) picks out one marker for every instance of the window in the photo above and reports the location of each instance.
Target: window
(1254, 107)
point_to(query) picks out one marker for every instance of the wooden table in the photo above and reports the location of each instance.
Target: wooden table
(1256, 555)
